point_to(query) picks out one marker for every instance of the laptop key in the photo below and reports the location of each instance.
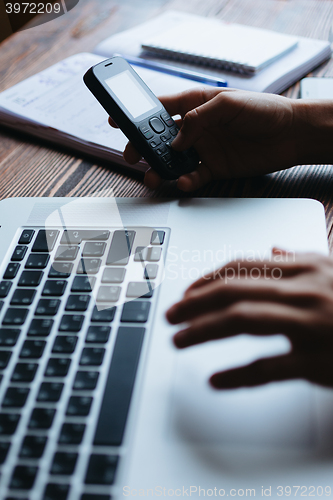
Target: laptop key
(83, 284)
(23, 297)
(4, 448)
(113, 275)
(4, 359)
(92, 356)
(30, 278)
(135, 311)
(66, 253)
(98, 234)
(26, 236)
(98, 334)
(157, 238)
(141, 254)
(108, 293)
(89, 266)
(137, 289)
(41, 418)
(71, 323)
(56, 491)
(57, 367)
(119, 387)
(15, 316)
(71, 434)
(150, 272)
(79, 406)
(24, 372)
(54, 288)
(64, 344)
(78, 303)
(1, 304)
(45, 240)
(40, 327)
(94, 249)
(103, 315)
(23, 477)
(47, 307)
(37, 261)
(5, 286)
(32, 349)
(33, 446)
(61, 270)
(85, 381)
(9, 336)
(71, 237)
(11, 271)
(8, 423)
(101, 469)
(50, 392)
(15, 397)
(121, 247)
(154, 254)
(64, 463)
(19, 253)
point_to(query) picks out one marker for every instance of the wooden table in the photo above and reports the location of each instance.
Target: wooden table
(30, 168)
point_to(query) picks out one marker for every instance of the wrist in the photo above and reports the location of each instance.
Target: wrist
(313, 128)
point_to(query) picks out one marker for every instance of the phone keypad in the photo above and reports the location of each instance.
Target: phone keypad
(167, 119)
(157, 125)
(146, 132)
(160, 131)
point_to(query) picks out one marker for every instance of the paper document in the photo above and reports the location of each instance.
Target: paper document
(58, 99)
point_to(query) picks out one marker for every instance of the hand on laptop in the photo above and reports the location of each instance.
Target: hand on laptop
(293, 297)
(242, 134)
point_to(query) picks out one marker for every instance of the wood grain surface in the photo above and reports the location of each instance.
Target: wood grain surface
(32, 168)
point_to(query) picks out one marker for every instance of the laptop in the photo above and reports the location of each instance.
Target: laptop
(96, 403)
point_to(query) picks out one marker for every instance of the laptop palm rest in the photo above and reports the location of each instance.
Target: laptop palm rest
(277, 415)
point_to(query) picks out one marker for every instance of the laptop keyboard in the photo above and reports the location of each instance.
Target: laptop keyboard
(75, 309)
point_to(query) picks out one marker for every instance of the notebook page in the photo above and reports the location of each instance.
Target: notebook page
(57, 100)
(209, 40)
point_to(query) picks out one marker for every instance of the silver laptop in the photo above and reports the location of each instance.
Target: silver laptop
(95, 400)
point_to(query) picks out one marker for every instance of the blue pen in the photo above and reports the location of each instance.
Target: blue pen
(173, 70)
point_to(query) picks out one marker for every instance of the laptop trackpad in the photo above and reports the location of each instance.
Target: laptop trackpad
(276, 414)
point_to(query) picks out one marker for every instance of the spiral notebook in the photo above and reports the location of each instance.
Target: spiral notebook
(234, 47)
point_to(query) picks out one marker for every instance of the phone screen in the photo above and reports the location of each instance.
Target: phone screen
(316, 88)
(130, 93)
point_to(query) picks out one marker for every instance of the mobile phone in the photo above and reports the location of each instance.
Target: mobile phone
(316, 88)
(140, 115)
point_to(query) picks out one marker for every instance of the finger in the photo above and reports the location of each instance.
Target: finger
(262, 371)
(275, 269)
(152, 180)
(181, 103)
(195, 180)
(131, 155)
(245, 317)
(219, 295)
(112, 123)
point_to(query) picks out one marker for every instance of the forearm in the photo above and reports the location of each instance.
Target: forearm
(313, 126)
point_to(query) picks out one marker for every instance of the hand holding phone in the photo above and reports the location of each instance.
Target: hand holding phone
(140, 115)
